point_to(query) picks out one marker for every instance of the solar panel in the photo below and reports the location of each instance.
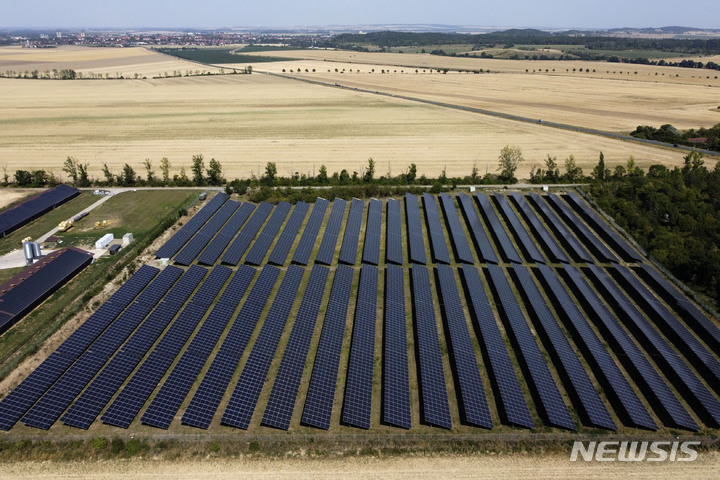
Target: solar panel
(241, 243)
(435, 228)
(218, 244)
(371, 249)
(262, 245)
(433, 392)
(357, 404)
(287, 237)
(573, 246)
(310, 232)
(280, 406)
(507, 249)
(541, 233)
(457, 234)
(396, 390)
(566, 360)
(527, 245)
(22, 214)
(512, 405)
(483, 245)
(193, 248)
(549, 402)
(474, 406)
(321, 393)
(332, 230)
(393, 239)
(244, 398)
(416, 243)
(661, 398)
(348, 250)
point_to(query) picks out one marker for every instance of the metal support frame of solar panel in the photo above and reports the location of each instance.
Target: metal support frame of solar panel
(635, 361)
(261, 246)
(371, 246)
(203, 237)
(482, 242)
(307, 241)
(474, 406)
(332, 230)
(90, 403)
(280, 406)
(357, 402)
(694, 317)
(436, 234)
(176, 242)
(287, 237)
(349, 248)
(58, 397)
(321, 392)
(206, 400)
(512, 405)
(416, 244)
(592, 241)
(576, 378)
(22, 214)
(457, 234)
(549, 401)
(576, 249)
(242, 403)
(393, 233)
(676, 370)
(525, 242)
(541, 233)
(241, 243)
(396, 389)
(703, 361)
(433, 391)
(161, 411)
(218, 244)
(507, 249)
(613, 238)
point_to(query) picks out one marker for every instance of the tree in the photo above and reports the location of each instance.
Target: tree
(23, 178)
(83, 178)
(412, 173)
(6, 177)
(322, 175)
(214, 173)
(165, 169)
(509, 159)
(573, 173)
(109, 178)
(70, 167)
(128, 175)
(552, 172)
(270, 173)
(149, 171)
(474, 172)
(600, 172)
(198, 169)
(40, 178)
(370, 172)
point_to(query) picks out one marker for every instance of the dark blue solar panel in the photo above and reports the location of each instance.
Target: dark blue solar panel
(457, 234)
(396, 390)
(332, 230)
(321, 393)
(435, 229)
(244, 398)
(550, 402)
(661, 398)
(348, 250)
(416, 244)
(393, 239)
(542, 235)
(262, 245)
(280, 406)
(218, 244)
(573, 246)
(371, 248)
(287, 237)
(507, 249)
(204, 403)
(566, 360)
(241, 243)
(19, 215)
(531, 251)
(474, 406)
(433, 392)
(357, 404)
(193, 248)
(307, 241)
(512, 405)
(483, 245)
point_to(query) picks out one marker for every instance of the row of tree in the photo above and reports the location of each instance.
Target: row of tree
(669, 134)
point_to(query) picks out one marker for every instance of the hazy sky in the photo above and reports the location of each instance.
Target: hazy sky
(275, 13)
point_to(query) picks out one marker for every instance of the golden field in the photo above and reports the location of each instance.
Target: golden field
(245, 121)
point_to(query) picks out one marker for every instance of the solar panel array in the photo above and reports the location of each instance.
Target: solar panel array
(541, 233)
(310, 232)
(527, 245)
(332, 230)
(396, 388)
(435, 230)
(416, 244)
(243, 240)
(457, 234)
(572, 244)
(218, 244)
(371, 249)
(287, 237)
(261, 246)
(348, 250)
(483, 245)
(393, 238)
(24, 213)
(201, 239)
(507, 248)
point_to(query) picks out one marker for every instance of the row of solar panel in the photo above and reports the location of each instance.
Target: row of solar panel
(19, 215)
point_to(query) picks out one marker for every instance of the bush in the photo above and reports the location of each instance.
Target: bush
(117, 446)
(99, 443)
(135, 446)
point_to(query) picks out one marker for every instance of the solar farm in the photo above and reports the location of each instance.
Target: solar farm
(469, 312)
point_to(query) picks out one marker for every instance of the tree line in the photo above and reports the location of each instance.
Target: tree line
(669, 134)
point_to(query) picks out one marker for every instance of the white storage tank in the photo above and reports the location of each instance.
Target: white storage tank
(127, 238)
(104, 241)
(28, 251)
(37, 251)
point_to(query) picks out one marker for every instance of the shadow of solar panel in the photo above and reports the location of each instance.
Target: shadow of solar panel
(512, 405)
(474, 407)
(542, 234)
(371, 248)
(457, 234)
(218, 244)
(507, 249)
(241, 243)
(693, 390)
(321, 392)
(244, 398)
(280, 406)
(549, 402)
(262, 245)
(436, 234)
(332, 230)
(577, 381)
(416, 244)
(393, 239)
(396, 390)
(433, 392)
(310, 232)
(287, 237)
(203, 237)
(348, 250)
(573, 246)
(531, 251)
(660, 397)
(22, 214)
(483, 245)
